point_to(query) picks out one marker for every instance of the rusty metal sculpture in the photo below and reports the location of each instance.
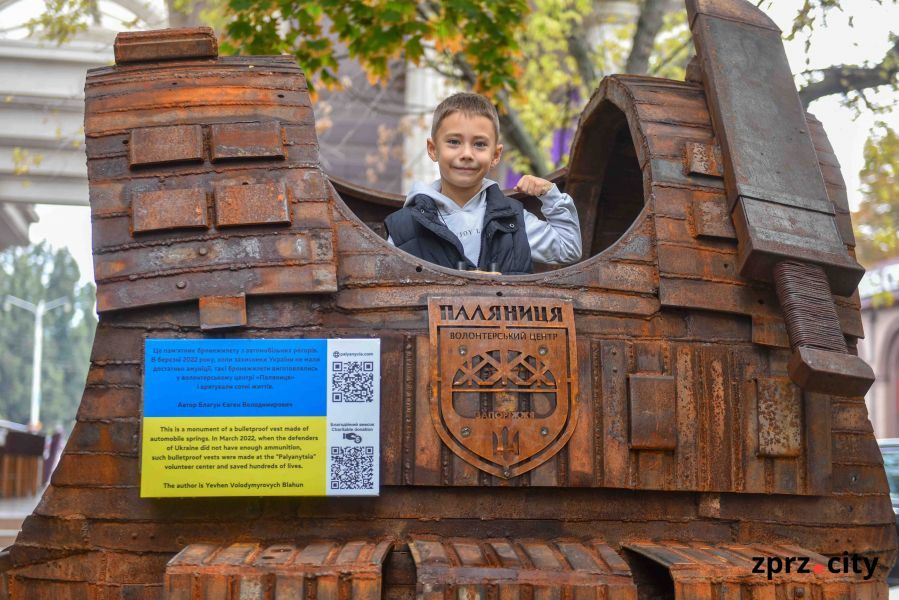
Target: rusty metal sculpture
(658, 420)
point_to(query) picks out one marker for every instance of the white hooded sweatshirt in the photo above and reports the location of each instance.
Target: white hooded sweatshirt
(554, 241)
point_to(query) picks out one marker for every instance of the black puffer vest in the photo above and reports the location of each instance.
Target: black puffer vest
(417, 229)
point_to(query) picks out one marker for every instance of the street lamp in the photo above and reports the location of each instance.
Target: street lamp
(38, 310)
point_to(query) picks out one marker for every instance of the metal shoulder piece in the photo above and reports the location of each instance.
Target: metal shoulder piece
(205, 178)
(786, 225)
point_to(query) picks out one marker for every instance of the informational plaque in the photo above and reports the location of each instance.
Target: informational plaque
(261, 417)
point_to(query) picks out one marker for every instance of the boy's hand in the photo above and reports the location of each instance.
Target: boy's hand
(533, 186)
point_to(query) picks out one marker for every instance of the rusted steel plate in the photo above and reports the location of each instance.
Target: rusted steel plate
(223, 312)
(246, 140)
(302, 247)
(830, 372)
(703, 159)
(741, 12)
(269, 279)
(168, 209)
(506, 380)
(703, 571)
(155, 145)
(775, 232)
(712, 219)
(251, 204)
(254, 571)
(779, 418)
(772, 176)
(507, 568)
(756, 110)
(165, 44)
(653, 425)
(769, 331)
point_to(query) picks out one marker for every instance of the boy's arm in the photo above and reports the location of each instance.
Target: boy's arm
(558, 239)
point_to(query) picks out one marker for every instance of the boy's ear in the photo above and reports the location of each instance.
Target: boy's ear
(497, 154)
(432, 149)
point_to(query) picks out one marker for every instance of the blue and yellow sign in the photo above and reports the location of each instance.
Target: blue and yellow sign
(285, 417)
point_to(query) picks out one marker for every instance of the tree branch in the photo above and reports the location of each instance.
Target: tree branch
(649, 24)
(842, 79)
(581, 54)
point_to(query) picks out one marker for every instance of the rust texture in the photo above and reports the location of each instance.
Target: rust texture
(674, 406)
(504, 380)
(786, 224)
(166, 44)
(277, 572)
(725, 571)
(502, 568)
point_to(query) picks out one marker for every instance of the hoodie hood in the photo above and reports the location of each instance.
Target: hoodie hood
(444, 203)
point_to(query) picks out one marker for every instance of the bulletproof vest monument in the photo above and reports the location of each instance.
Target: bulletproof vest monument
(678, 415)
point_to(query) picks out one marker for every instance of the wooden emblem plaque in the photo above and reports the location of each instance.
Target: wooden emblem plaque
(504, 380)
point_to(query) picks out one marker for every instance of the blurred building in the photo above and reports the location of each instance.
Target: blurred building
(879, 292)
(41, 126)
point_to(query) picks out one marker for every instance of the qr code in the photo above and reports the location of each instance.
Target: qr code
(352, 381)
(352, 468)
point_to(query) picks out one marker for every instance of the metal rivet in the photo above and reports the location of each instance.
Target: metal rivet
(181, 285)
(542, 351)
(203, 251)
(614, 369)
(466, 431)
(799, 592)
(463, 350)
(507, 473)
(544, 431)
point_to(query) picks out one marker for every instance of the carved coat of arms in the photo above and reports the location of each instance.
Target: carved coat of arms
(504, 380)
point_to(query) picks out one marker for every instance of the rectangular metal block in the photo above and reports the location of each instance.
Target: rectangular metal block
(168, 209)
(251, 204)
(165, 44)
(771, 232)
(779, 418)
(711, 218)
(246, 140)
(157, 145)
(703, 159)
(526, 568)
(830, 372)
(653, 423)
(223, 312)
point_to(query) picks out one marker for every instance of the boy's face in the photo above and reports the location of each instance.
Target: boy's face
(465, 149)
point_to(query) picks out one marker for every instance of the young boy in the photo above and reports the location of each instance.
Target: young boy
(463, 220)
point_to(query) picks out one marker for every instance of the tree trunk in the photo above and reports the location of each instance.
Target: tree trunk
(188, 17)
(652, 15)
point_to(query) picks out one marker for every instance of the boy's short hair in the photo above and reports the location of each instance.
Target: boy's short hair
(468, 104)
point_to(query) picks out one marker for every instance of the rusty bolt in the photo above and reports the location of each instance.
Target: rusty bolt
(463, 350)
(542, 351)
(544, 431)
(181, 285)
(466, 431)
(203, 251)
(507, 473)
(799, 592)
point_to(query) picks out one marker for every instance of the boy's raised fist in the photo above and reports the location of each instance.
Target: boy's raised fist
(533, 186)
